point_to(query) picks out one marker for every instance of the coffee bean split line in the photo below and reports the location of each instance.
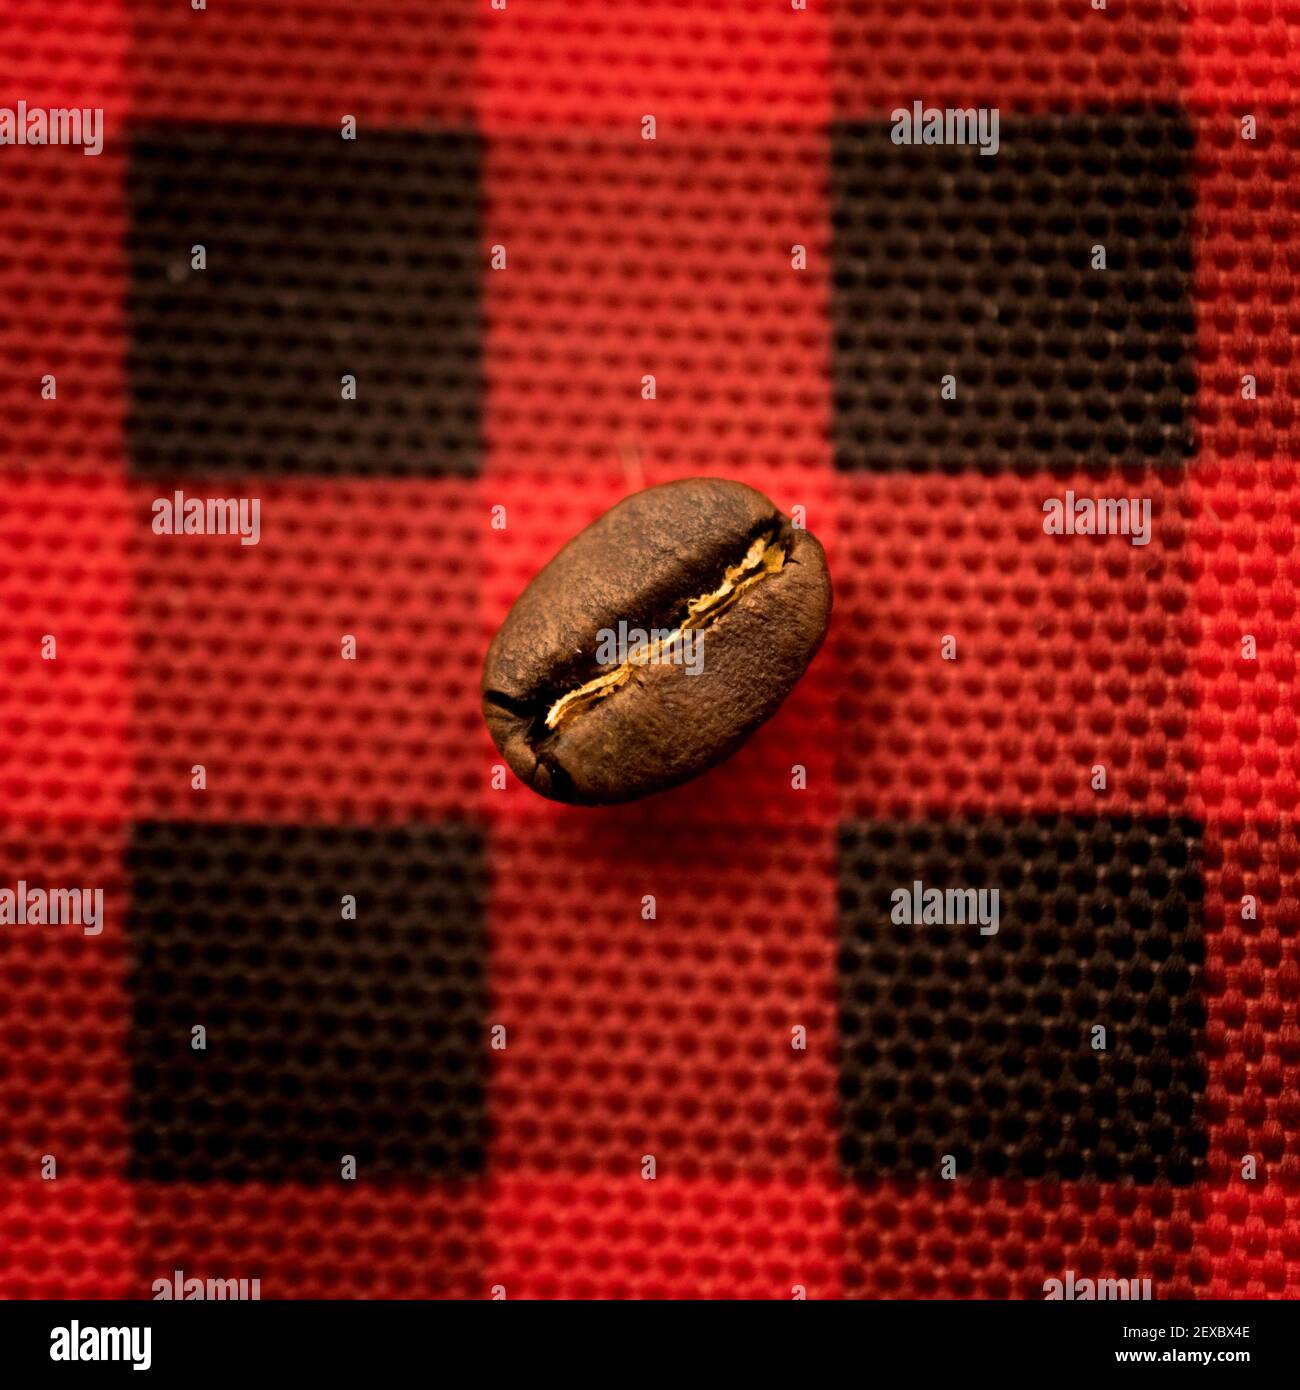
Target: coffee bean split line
(765, 556)
(593, 724)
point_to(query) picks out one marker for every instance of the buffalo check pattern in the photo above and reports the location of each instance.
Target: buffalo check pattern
(493, 1031)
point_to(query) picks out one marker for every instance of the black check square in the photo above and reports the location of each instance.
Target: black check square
(982, 1047)
(326, 259)
(324, 1035)
(949, 262)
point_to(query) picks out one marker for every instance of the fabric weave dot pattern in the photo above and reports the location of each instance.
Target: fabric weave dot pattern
(978, 1041)
(1168, 903)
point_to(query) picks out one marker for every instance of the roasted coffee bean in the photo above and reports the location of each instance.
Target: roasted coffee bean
(655, 642)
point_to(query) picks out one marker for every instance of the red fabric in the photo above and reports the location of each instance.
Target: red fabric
(627, 257)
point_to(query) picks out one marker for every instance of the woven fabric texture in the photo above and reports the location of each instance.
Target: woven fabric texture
(457, 1040)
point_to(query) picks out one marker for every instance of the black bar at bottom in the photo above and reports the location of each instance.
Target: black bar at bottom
(195, 1342)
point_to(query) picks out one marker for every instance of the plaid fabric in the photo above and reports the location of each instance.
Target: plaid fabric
(479, 909)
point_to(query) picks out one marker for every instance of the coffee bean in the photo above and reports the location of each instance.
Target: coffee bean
(655, 642)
